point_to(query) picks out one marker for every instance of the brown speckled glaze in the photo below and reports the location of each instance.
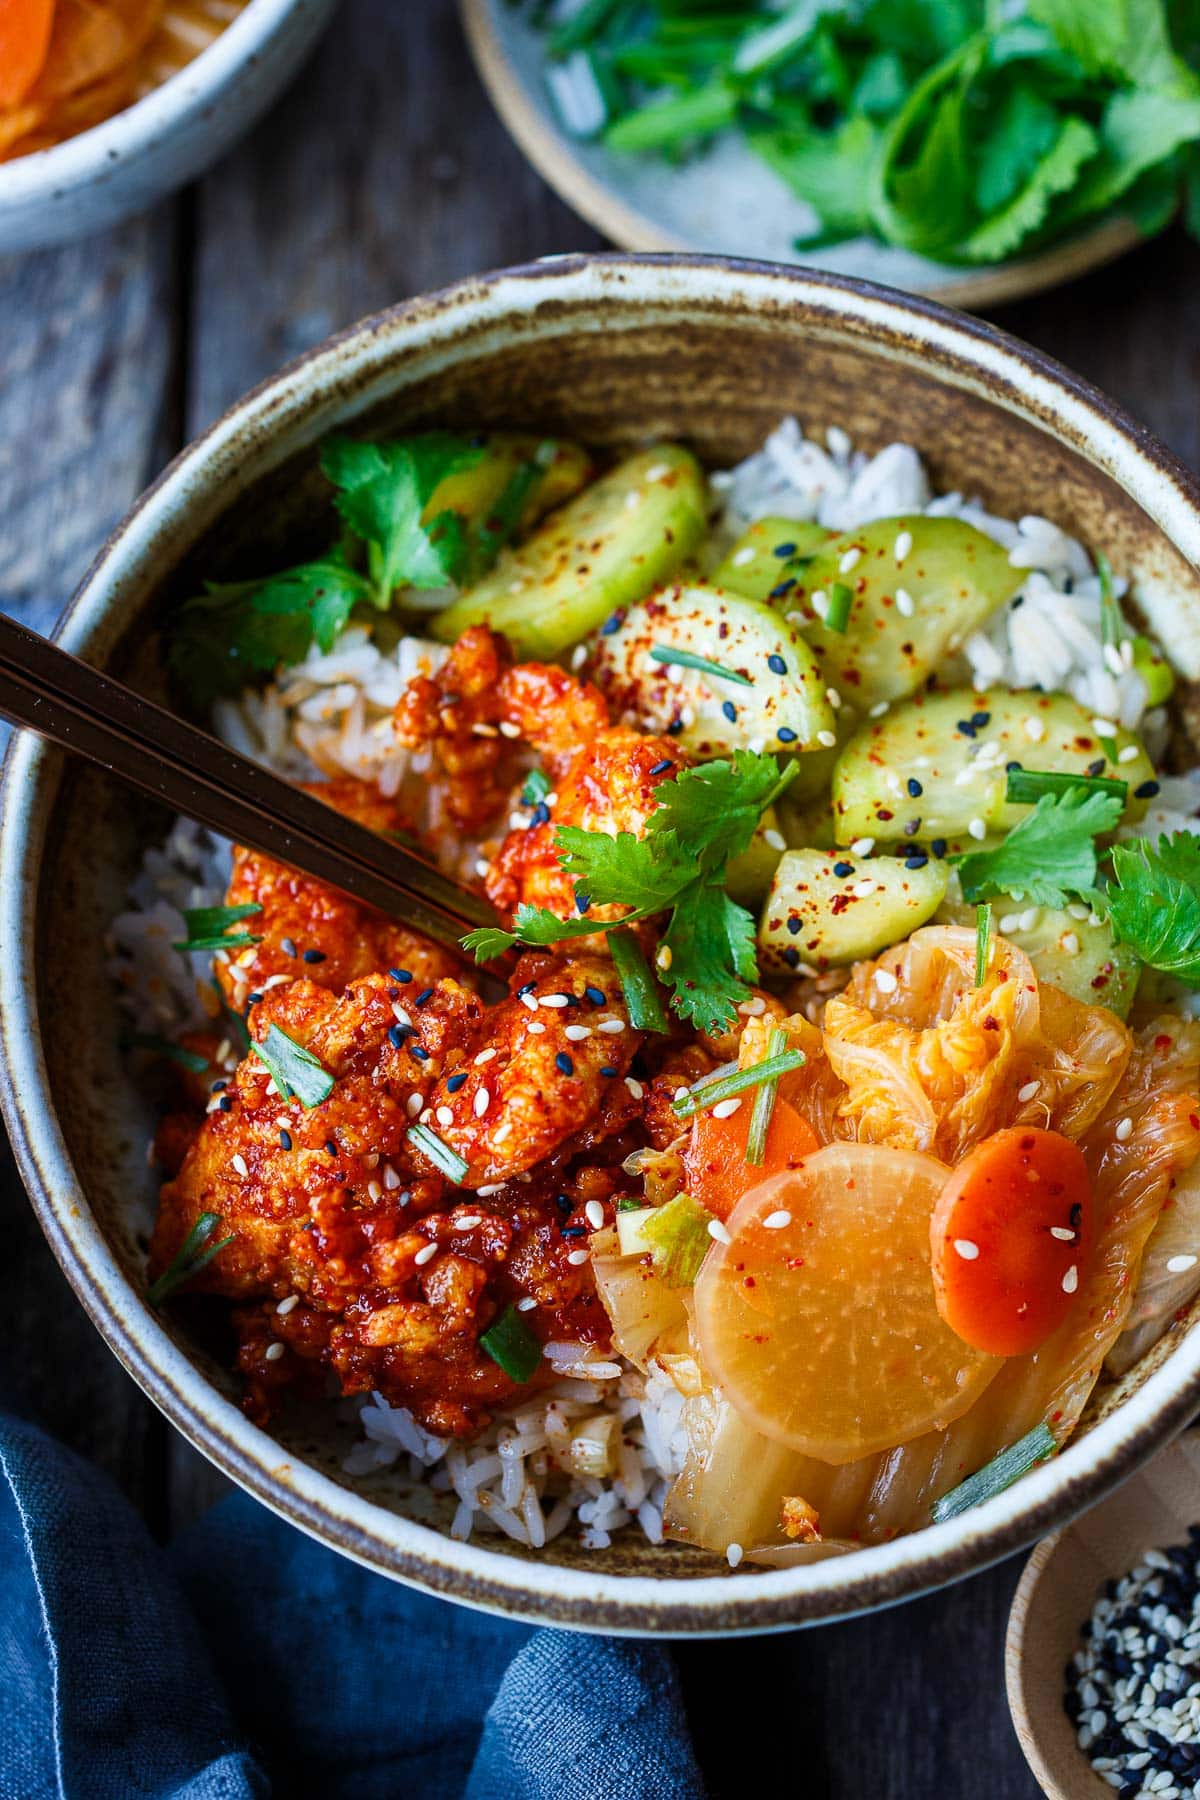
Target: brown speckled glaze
(611, 350)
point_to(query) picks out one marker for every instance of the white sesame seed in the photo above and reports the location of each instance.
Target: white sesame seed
(425, 1254)
(444, 1115)
(1124, 1131)
(717, 1230)
(885, 981)
(834, 699)
(516, 821)
(529, 1001)
(878, 710)
(426, 1117)
(1128, 754)
(481, 1102)
(414, 1104)
(861, 889)
(575, 1034)
(664, 957)
(468, 1221)
(273, 1352)
(1035, 729)
(399, 1014)
(1010, 922)
(733, 1555)
(579, 656)
(1063, 1233)
(904, 603)
(902, 545)
(774, 840)
(485, 1056)
(743, 556)
(776, 1221)
(1070, 1280)
(725, 1109)
(1104, 728)
(1179, 1265)
(967, 1249)
(612, 1026)
(819, 601)
(852, 556)
(756, 745)
(391, 1178)
(526, 1304)
(508, 729)
(486, 1192)
(1030, 917)
(1028, 1091)
(753, 1008)
(374, 1191)
(827, 739)
(554, 1001)
(238, 1163)
(577, 1258)
(862, 846)
(535, 1027)
(288, 1305)
(593, 1212)
(1070, 943)
(635, 1087)
(977, 829)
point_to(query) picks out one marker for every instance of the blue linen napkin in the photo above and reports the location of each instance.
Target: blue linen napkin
(247, 1661)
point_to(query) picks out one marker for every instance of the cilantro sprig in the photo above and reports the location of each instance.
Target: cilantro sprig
(704, 818)
(1048, 857)
(1153, 902)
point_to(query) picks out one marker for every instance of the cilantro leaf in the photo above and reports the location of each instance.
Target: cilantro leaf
(712, 943)
(1056, 172)
(712, 810)
(830, 169)
(383, 492)
(1154, 902)
(1048, 856)
(622, 871)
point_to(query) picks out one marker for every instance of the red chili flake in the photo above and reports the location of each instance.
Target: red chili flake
(882, 814)
(1163, 1042)
(990, 1024)
(1194, 1122)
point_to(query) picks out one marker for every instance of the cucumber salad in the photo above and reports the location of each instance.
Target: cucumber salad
(813, 1139)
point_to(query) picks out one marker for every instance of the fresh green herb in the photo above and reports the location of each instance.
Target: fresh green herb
(509, 1342)
(837, 613)
(1026, 786)
(709, 1093)
(966, 130)
(704, 817)
(688, 659)
(189, 1259)
(191, 1060)
(764, 1101)
(435, 1150)
(983, 943)
(537, 786)
(207, 927)
(297, 1072)
(496, 530)
(1036, 1446)
(677, 1234)
(1153, 902)
(382, 492)
(628, 1204)
(1049, 856)
(1112, 625)
(637, 983)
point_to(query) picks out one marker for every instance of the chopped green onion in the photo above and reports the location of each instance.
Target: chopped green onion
(1028, 785)
(1112, 626)
(761, 51)
(191, 1060)
(298, 1073)
(629, 1204)
(983, 942)
(678, 1237)
(438, 1152)
(493, 533)
(509, 1342)
(710, 1093)
(189, 1259)
(688, 659)
(671, 122)
(582, 96)
(837, 615)
(641, 995)
(206, 927)
(583, 28)
(537, 786)
(764, 1103)
(1035, 1447)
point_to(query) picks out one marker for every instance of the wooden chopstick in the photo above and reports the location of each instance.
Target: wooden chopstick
(79, 708)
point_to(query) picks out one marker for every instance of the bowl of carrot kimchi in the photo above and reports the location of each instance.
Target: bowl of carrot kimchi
(792, 1200)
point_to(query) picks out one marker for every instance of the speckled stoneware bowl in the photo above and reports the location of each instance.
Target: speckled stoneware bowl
(152, 147)
(611, 350)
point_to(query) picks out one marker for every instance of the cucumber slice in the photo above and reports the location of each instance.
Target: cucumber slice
(516, 480)
(759, 688)
(748, 876)
(908, 612)
(936, 764)
(614, 543)
(826, 909)
(1080, 958)
(767, 560)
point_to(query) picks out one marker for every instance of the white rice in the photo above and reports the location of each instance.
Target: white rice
(600, 1445)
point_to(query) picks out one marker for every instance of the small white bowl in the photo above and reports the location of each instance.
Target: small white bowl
(131, 160)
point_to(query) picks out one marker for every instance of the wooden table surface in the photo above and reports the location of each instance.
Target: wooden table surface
(384, 173)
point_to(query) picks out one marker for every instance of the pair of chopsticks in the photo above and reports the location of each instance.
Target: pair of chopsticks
(46, 690)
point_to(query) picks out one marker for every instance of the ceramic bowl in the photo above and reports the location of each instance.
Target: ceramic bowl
(160, 142)
(610, 350)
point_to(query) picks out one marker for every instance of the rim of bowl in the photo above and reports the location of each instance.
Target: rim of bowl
(346, 373)
(137, 127)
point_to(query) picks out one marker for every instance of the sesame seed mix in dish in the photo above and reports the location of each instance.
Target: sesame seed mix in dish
(818, 1125)
(1133, 1687)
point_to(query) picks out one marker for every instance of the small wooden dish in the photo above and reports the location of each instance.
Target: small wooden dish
(1057, 1592)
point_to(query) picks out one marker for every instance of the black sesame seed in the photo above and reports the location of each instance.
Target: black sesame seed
(288, 946)
(397, 1035)
(1147, 790)
(564, 1203)
(331, 1148)
(423, 996)
(674, 728)
(980, 719)
(225, 1103)
(573, 1231)
(400, 974)
(786, 735)
(454, 1082)
(314, 956)
(527, 989)
(911, 827)
(791, 957)
(611, 624)
(1012, 768)
(938, 846)
(966, 727)
(730, 710)
(842, 869)
(563, 1063)
(783, 590)
(419, 1051)
(776, 665)
(253, 999)
(1097, 767)
(660, 768)
(582, 902)
(783, 550)
(608, 1070)
(285, 1140)
(794, 925)
(595, 995)
(540, 815)
(915, 862)
(914, 787)
(218, 1087)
